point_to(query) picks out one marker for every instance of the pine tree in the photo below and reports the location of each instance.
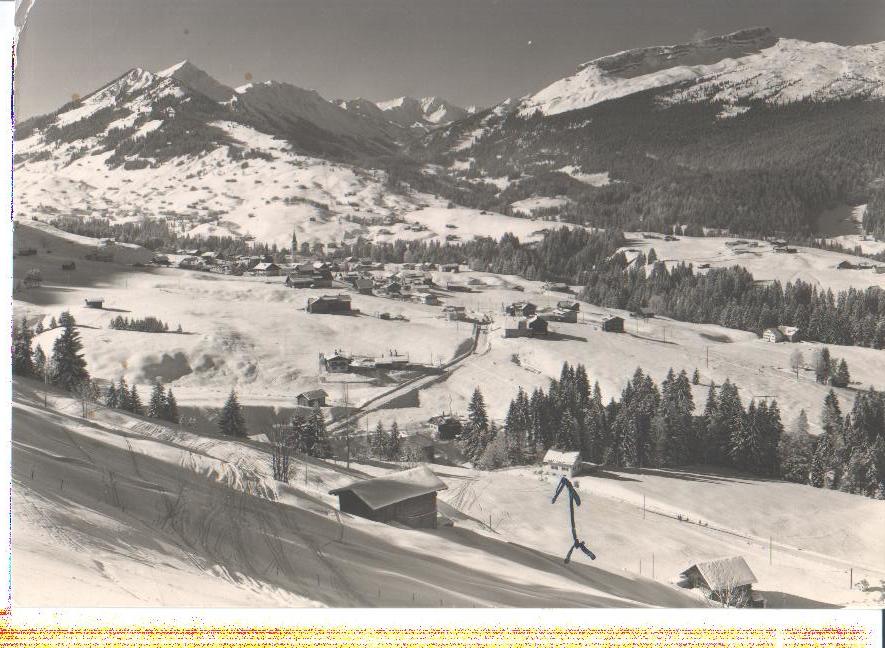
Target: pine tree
(170, 412)
(39, 362)
(494, 454)
(66, 319)
(696, 377)
(157, 402)
(394, 444)
(379, 441)
(317, 424)
(231, 421)
(123, 396)
(22, 354)
(111, 397)
(135, 405)
(841, 378)
(475, 433)
(38, 329)
(823, 366)
(68, 365)
(52, 323)
(796, 451)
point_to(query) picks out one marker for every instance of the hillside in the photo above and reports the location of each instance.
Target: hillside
(130, 513)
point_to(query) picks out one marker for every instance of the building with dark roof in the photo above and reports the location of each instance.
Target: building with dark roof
(407, 497)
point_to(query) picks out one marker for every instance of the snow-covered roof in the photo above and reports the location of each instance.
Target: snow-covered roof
(569, 457)
(379, 492)
(314, 394)
(725, 573)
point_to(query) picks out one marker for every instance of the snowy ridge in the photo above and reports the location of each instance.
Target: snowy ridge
(727, 69)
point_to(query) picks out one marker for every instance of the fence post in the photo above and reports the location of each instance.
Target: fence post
(851, 578)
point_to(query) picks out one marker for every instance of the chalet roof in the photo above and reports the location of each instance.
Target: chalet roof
(391, 488)
(724, 573)
(265, 266)
(788, 330)
(314, 394)
(568, 457)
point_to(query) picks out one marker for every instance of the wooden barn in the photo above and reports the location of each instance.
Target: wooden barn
(526, 309)
(613, 324)
(726, 580)
(568, 304)
(313, 398)
(407, 497)
(267, 270)
(447, 427)
(94, 302)
(329, 304)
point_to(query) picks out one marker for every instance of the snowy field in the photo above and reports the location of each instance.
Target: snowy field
(814, 266)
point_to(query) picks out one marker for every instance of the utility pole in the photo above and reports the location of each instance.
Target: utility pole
(708, 357)
(643, 507)
(769, 550)
(851, 578)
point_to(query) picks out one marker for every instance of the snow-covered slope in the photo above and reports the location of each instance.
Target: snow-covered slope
(126, 511)
(737, 68)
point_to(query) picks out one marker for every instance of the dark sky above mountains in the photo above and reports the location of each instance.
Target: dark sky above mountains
(468, 51)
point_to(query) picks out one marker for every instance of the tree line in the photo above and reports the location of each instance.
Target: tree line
(731, 297)
(655, 425)
(147, 324)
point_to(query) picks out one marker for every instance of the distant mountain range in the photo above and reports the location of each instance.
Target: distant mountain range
(743, 131)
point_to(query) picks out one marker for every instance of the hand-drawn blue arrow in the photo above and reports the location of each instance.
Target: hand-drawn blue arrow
(574, 500)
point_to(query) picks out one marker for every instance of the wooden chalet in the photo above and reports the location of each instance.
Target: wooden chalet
(726, 580)
(525, 309)
(329, 304)
(566, 463)
(447, 427)
(94, 302)
(613, 324)
(407, 497)
(313, 398)
(266, 269)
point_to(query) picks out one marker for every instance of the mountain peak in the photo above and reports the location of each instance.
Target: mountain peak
(421, 113)
(197, 80)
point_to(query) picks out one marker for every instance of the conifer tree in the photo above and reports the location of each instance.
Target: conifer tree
(157, 401)
(823, 366)
(39, 362)
(841, 378)
(124, 396)
(22, 354)
(135, 405)
(38, 329)
(394, 444)
(68, 365)
(111, 397)
(379, 441)
(696, 377)
(170, 412)
(52, 323)
(317, 424)
(231, 421)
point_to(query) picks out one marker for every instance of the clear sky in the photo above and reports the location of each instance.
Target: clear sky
(468, 51)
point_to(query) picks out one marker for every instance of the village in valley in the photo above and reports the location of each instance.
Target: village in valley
(265, 361)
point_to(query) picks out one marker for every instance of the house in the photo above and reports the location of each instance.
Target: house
(845, 265)
(790, 333)
(526, 309)
(329, 304)
(296, 281)
(561, 315)
(364, 285)
(407, 497)
(773, 335)
(94, 302)
(266, 269)
(449, 267)
(557, 287)
(568, 305)
(429, 299)
(454, 313)
(447, 427)
(562, 462)
(160, 259)
(337, 362)
(613, 324)
(536, 326)
(456, 287)
(726, 580)
(314, 398)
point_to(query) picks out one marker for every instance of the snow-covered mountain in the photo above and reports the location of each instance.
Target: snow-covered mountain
(421, 114)
(196, 79)
(735, 69)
